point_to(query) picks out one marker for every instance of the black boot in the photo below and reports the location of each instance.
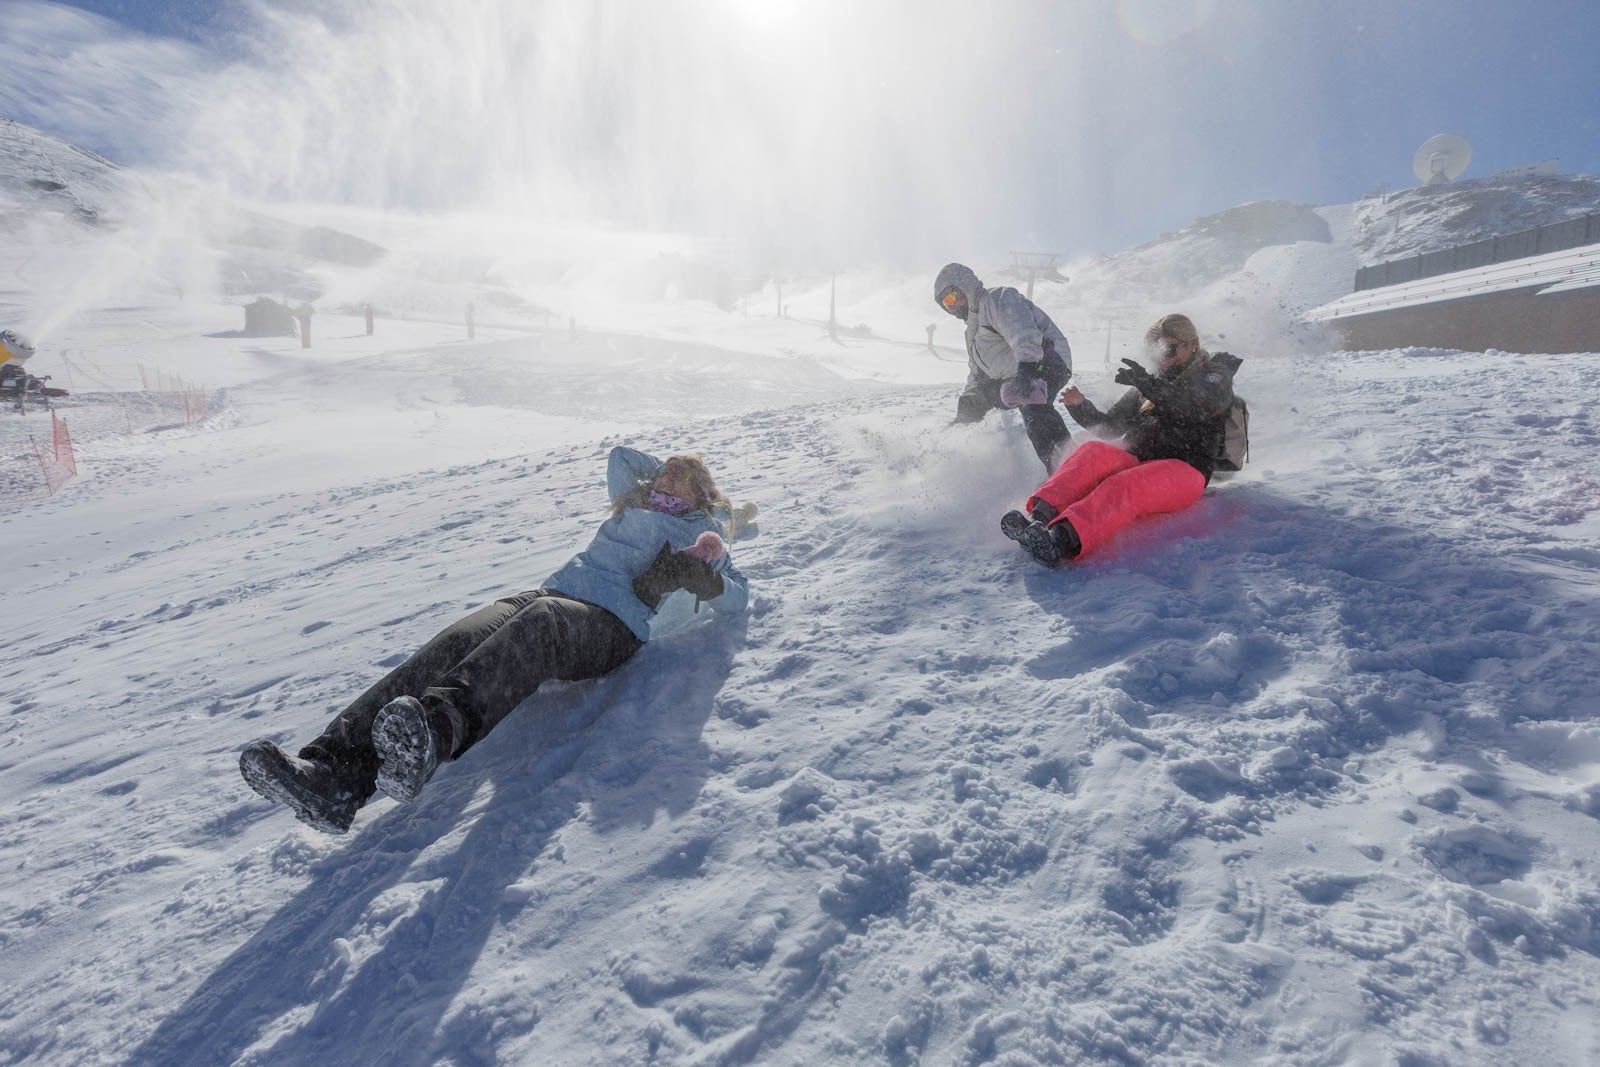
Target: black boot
(1049, 544)
(1068, 546)
(1031, 535)
(1012, 523)
(322, 794)
(1036, 538)
(412, 740)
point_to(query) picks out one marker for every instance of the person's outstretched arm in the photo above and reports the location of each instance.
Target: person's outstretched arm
(1119, 419)
(626, 468)
(1204, 394)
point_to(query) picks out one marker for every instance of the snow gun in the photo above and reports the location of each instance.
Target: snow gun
(13, 347)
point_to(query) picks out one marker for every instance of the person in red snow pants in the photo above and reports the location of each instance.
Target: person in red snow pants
(1099, 489)
(1171, 424)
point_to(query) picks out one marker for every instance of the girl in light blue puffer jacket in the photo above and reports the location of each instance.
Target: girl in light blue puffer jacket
(629, 541)
(651, 567)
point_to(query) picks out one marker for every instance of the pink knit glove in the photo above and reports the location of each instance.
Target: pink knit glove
(707, 547)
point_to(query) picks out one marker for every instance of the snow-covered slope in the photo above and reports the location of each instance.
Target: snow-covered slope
(1309, 773)
(1306, 774)
(1429, 218)
(92, 82)
(37, 169)
(1255, 269)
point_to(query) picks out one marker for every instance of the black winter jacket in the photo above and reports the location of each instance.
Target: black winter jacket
(1184, 420)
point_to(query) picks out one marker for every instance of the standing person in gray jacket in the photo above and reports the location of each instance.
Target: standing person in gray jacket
(1016, 358)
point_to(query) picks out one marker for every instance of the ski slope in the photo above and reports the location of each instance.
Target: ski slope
(1309, 773)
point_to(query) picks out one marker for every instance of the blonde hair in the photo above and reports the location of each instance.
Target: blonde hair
(704, 493)
(1176, 326)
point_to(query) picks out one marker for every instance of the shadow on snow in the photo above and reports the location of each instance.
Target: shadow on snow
(300, 991)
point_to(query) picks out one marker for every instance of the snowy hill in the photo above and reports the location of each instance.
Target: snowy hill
(1389, 226)
(1260, 266)
(1426, 219)
(37, 169)
(163, 228)
(1309, 773)
(1212, 248)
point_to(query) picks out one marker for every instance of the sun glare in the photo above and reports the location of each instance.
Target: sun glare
(764, 15)
(1160, 22)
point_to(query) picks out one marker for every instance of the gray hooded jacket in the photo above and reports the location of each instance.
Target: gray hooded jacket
(1004, 328)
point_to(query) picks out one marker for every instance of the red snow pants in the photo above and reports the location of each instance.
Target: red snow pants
(1099, 488)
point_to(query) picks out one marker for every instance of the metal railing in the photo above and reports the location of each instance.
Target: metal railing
(1555, 237)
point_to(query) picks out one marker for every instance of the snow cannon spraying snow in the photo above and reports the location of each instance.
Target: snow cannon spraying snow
(16, 382)
(14, 347)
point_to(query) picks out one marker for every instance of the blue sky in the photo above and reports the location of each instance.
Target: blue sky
(872, 130)
(205, 21)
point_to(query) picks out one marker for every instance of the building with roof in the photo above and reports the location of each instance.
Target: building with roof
(1514, 293)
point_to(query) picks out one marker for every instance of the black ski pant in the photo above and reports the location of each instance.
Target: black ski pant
(1046, 429)
(483, 666)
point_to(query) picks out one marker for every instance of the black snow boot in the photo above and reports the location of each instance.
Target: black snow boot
(1031, 535)
(1047, 544)
(1012, 523)
(412, 740)
(1035, 537)
(1066, 539)
(321, 794)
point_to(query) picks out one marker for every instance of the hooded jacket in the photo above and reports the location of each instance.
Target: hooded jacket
(624, 547)
(1184, 421)
(1004, 328)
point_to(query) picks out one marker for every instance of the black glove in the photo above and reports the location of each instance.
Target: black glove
(676, 570)
(699, 577)
(1156, 389)
(1133, 374)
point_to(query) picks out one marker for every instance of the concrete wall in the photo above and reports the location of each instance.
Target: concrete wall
(1516, 321)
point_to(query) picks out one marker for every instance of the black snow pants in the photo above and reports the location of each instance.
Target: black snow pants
(1046, 429)
(484, 665)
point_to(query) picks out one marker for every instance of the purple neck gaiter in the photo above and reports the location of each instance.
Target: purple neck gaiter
(672, 505)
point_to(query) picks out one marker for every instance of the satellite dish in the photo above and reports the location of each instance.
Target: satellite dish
(1441, 159)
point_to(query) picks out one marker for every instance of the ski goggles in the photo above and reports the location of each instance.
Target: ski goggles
(952, 298)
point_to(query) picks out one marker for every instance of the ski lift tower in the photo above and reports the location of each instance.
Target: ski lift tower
(1034, 264)
(1118, 318)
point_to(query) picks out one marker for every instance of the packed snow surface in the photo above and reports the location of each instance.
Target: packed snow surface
(1309, 773)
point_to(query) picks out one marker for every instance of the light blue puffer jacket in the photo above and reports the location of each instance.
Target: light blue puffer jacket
(625, 545)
